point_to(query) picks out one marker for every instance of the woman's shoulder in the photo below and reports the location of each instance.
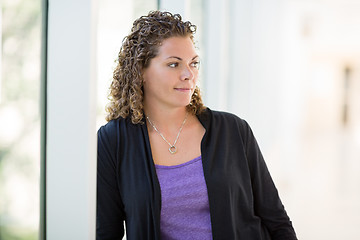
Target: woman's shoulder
(119, 127)
(108, 132)
(115, 124)
(111, 128)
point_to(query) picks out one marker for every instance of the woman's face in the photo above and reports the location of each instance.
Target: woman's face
(171, 77)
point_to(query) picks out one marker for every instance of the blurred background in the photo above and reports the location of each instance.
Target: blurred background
(20, 118)
(291, 68)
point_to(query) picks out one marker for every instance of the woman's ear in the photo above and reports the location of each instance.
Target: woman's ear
(143, 76)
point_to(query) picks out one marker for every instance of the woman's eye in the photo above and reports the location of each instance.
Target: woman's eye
(173, 65)
(195, 64)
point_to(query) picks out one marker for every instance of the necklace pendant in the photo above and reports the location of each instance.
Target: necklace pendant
(172, 149)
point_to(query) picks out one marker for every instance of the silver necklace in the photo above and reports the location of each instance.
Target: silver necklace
(172, 148)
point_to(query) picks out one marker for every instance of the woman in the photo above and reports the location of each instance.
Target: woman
(169, 167)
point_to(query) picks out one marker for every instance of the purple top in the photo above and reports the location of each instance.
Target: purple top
(185, 210)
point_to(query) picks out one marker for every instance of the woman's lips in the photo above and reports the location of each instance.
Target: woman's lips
(183, 89)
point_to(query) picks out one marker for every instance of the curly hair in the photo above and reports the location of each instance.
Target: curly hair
(138, 48)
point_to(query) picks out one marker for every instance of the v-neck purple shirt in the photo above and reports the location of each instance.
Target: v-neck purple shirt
(185, 210)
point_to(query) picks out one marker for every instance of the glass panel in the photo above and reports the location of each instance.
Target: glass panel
(20, 119)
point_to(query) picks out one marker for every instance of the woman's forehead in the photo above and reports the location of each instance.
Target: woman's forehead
(179, 47)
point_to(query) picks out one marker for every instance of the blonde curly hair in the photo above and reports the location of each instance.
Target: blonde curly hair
(138, 48)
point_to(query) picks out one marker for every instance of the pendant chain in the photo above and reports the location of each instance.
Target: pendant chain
(172, 148)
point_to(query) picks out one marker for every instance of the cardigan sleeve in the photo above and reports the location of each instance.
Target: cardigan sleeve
(109, 212)
(267, 204)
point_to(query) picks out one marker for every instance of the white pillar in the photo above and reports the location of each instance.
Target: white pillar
(71, 131)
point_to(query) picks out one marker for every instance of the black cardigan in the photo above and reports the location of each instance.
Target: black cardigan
(244, 203)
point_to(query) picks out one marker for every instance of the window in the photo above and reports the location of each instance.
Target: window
(20, 119)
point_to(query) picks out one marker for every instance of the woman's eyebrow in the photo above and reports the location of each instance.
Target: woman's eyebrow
(179, 58)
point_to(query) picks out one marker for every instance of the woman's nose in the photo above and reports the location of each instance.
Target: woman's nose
(187, 74)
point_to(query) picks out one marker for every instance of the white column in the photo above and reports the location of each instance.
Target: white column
(71, 131)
